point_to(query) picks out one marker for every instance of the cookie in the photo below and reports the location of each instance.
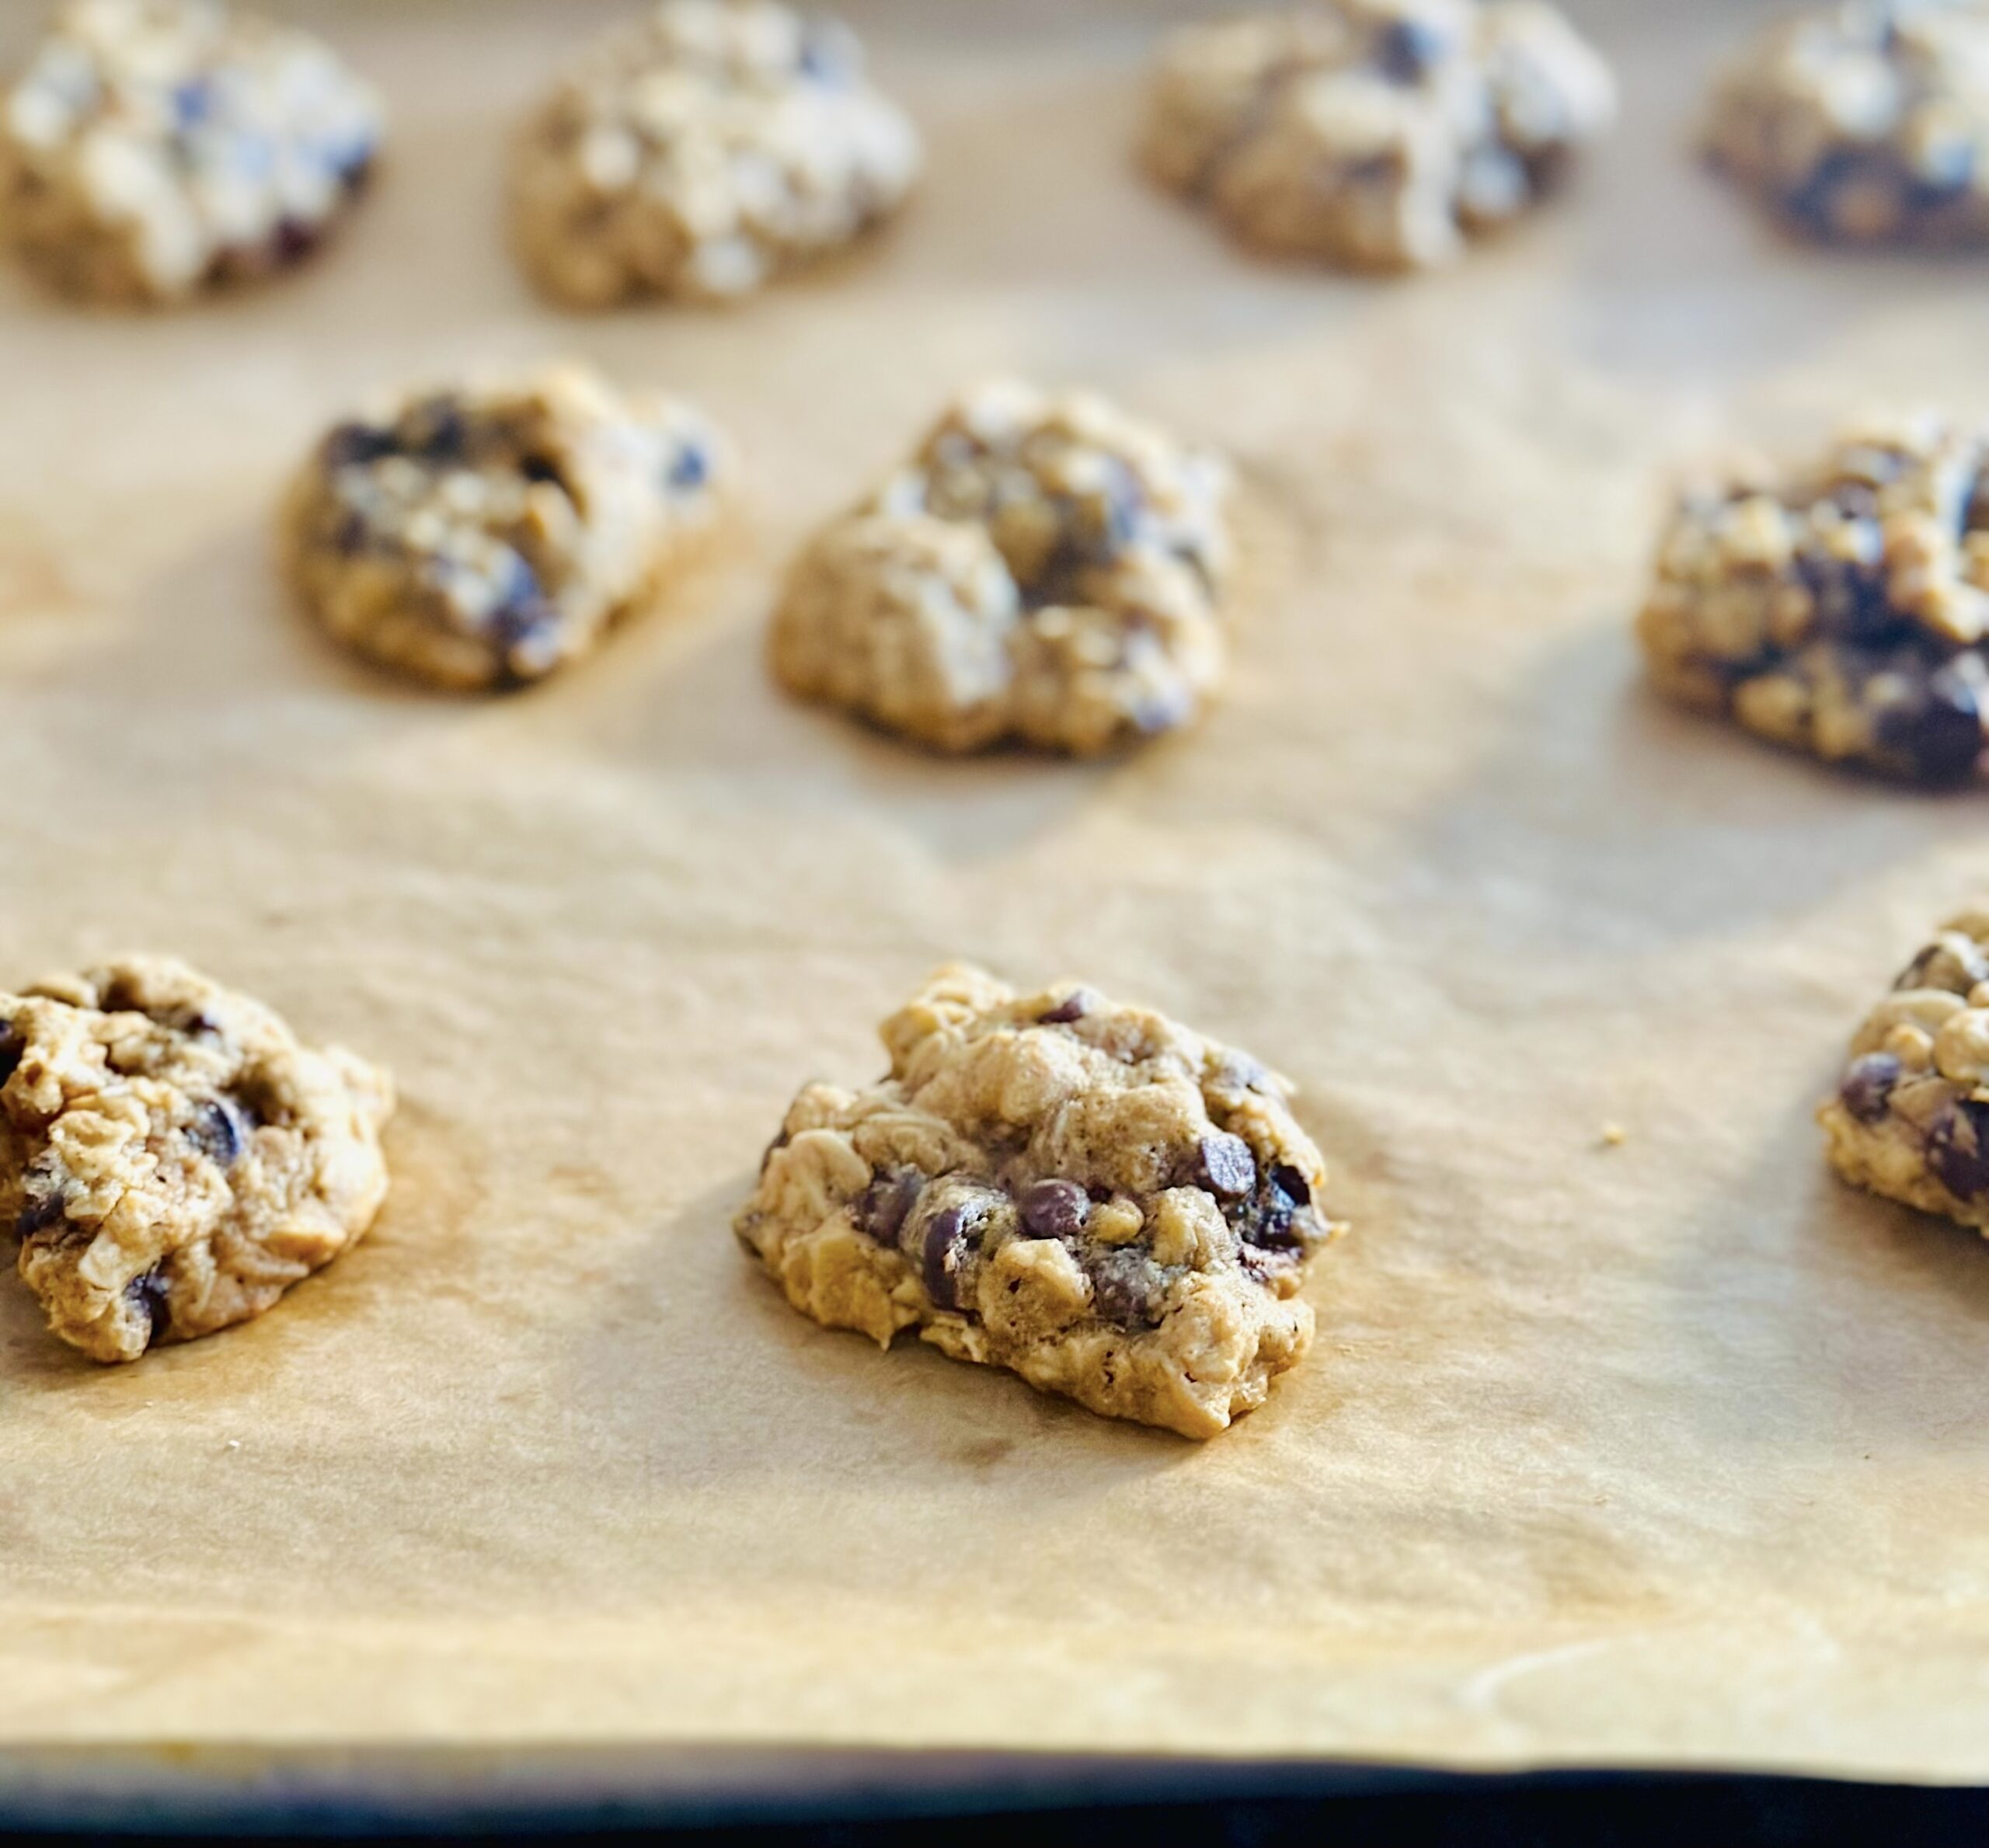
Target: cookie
(1911, 1117)
(155, 148)
(173, 1158)
(701, 151)
(1863, 123)
(1838, 608)
(1045, 571)
(1089, 1194)
(1374, 135)
(480, 536)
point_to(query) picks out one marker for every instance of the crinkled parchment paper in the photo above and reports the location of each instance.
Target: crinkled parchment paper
(1672, 1452)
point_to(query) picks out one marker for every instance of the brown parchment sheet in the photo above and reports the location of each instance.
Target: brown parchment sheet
(1668, 1452)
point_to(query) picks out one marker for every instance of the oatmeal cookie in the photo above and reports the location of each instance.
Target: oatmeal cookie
(703, 149)
(1374, 134)
(1911, 1117)
(1044, 570)
(1839, 608)
(154, 147)
(171, 1158)
(482, 537)
(1113, 1207)
(1865, 122)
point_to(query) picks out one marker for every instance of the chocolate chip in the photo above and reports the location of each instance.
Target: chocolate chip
(884, 1205)
(1814, 204)
(522, 612)
(149, 1293)
(1267, 1219)
(1867, 1084)
(1409, 50)
(947, 1234)
(42, 1209)
(1939, 733)
(217, 1129)
(1958, 1149)
(1055, 1208)
(1125, 1290)
(1074, 1006)
(1225, 1166)
(541, 469)
(435, 429)
(355, 444)
(13, 1048)
(1850, 594)
(295, 239)
(1293, 1184)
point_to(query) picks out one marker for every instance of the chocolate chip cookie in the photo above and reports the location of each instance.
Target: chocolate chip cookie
(1374, 134)
(482, 536)
(154, 147)
(1045, 570)
(1839, 607)
(1111, 1206)
(1911, 1117)
(702, 150)
(173, 1158)
(1866, 123)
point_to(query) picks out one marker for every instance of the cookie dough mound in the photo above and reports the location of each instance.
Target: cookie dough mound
(702, 150)
(1374, 134)
(1863, 123)
(1045, 570)
(1911, 1117)
(172, 1158)
(154, 147)
(482, 537)
(1113, 1207)
(1841, 608)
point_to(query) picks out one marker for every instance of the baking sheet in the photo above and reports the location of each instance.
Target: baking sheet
(1665, 1454)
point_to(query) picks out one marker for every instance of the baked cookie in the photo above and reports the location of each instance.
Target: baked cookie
(703, 149)
(171, 1158)
(1045, 570)
(1911, 1117)
(1113, 1207)
(153, 147)
(482, 537)
(1839, 608)
(1374, 135)
(1867, 123)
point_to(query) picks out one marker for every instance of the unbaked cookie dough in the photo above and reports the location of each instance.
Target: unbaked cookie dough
(703, 149)
(153, 147)
(1374, 134)
(482, 537)
(171, 1158)
(1113, 1207)
(1045, 570)
(1840, 608)
(1867, 123)
(1911, 1117)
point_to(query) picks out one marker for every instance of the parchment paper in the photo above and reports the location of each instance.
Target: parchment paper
(1670, 1452)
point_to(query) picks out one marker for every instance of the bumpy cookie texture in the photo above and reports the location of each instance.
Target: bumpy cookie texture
(1374, 134)
(1911, 1117)
(1839, 608)
(702, 150)
(1111, 1206)
(1863, 123)
(171, 1158)
(482, 537)
(1046, 570)
(154, 147)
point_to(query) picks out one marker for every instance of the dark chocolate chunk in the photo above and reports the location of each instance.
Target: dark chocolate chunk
(1055, 1208)
(295, 239)
(13, 1048)
(883, 1206)
(435, 429)
(522, 612)
(1958, 1149)
(148, 1292)
(1225, 1166)
(1938, 732)
(42, 1209)
(1293, 1184)
(1850, 593)
(541, 469)
(1867, 1085)
(217, 1131)
(949, 1237)
(1074, 1006)
(1126, 1287)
